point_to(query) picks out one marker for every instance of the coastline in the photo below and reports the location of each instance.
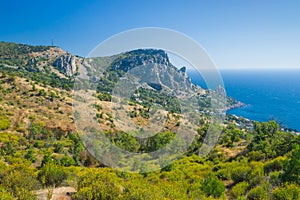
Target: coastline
(248, 123)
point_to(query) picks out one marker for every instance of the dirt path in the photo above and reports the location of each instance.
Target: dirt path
(60, 193)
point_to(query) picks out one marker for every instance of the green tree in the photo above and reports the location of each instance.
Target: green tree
(30, 155)
(19, 180)
(67, 161)
(98, 185)
(51, 175)
(213, 186)
(291, 168)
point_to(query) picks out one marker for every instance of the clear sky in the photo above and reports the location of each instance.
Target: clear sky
(236, 33)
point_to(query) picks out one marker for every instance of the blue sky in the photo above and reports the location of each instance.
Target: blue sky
(237, 34)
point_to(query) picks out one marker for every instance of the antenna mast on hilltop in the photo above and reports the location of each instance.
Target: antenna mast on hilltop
(52, 42)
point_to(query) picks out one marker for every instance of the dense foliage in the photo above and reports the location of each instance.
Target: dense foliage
(190, 177)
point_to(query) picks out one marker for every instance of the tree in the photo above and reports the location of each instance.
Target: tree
(213, 186)
(30, 155)
(291, 168)
(19, 180)
(98, 185)
(52, 175)
(67, 161)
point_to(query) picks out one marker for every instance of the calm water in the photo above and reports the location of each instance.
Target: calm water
(267, 94)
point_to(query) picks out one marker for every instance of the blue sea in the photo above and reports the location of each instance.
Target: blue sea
(267, 94)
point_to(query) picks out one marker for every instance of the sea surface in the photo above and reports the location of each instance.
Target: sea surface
(267, 94)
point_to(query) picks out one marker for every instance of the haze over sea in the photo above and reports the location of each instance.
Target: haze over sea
(267, 94)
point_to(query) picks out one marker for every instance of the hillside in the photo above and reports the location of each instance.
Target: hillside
(41, 146)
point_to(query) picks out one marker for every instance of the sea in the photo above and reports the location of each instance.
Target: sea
(266, 94)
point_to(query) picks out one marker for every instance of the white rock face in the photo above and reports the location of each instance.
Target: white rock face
(67, 64)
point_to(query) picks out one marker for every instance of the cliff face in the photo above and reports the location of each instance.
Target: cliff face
(149, 63)
(149, 66)
(67, 64)
(40, 59)
(58, 68)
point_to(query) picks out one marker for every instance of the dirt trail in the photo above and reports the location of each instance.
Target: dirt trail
(60, 193)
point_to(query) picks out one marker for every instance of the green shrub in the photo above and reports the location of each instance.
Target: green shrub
(4, 122)
(213, 186)
(20, 181)
(100, 184)
(105, 96)
(286, 192)
(274, 178)
(258, 193)
(52, 175)
(255, 155)
(5, 194)
(291, 167)
(240, 173)
(274, 165)
(67, 161)
(239, 190)
(256, 174)
(38, 131)
(30, 155)
(58, 147)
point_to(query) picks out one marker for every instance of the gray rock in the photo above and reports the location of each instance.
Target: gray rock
(67, 64)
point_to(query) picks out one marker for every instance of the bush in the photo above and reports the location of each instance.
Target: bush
(213, 186)
(4, 122)
(97, 185)
(5, 194)
(20, 181)
(239, 189)
(256, 174)
(52, 175)
(274, 178)
(286, 192)
(258, 193)
(240, 173)
(255, 155)
(58, 147)
(105, 96)
(274, 165)
(291, 167)
(30, 155)
(38, 131)
(67, 161)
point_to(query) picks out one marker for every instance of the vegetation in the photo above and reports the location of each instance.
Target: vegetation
(37, 151)
(51, 79)
(9, 49)
(4, 122)
(187, 178)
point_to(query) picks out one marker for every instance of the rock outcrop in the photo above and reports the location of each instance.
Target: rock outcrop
(67, 64)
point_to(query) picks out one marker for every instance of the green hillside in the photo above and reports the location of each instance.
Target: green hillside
(40, 147)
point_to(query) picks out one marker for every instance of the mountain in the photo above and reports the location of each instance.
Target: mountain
(39, 82)
(55, 67)
(143, 104)
(39, 59)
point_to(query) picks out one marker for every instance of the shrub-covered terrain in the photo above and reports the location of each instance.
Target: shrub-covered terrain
(40, 149)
